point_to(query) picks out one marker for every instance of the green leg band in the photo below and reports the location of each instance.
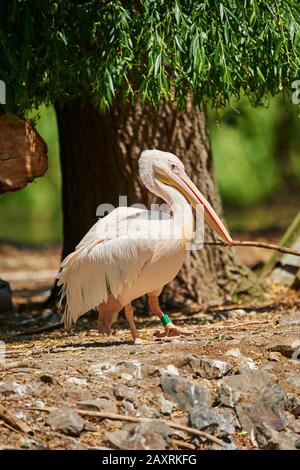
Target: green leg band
(165, 319)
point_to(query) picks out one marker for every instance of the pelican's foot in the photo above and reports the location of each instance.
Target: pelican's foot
(172, 331)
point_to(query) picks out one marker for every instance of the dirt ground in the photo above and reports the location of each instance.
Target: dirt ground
(55, 369)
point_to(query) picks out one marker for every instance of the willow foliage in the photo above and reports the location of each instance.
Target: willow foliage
(52, 51)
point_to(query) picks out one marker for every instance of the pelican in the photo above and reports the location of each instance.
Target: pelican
(131, 252)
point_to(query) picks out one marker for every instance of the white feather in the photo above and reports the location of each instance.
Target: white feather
(108, 257)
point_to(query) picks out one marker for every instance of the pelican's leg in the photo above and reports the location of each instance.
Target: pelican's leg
(170, 328)
(134, 332)
(108, 314)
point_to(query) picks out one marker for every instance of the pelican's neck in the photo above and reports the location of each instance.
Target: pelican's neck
(180, 207)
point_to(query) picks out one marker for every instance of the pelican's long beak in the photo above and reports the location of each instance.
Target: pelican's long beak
(194, 196)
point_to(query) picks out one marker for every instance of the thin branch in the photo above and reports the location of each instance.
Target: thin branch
(14, 422)
(135, 419)
(268, 246)
(41, 329)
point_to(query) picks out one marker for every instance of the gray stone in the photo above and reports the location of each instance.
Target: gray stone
(292, 404)
(208, 368)
(147, 412)
(228, 445)
(294, 379)
(242, 362)
(130, 369)
(289, 320)
(288, 346)
(254, 414)
(166, 406)
(269, 438)
(149, 435)
(65, 420)
(101, 404)
(234, 352)
(186, 394)
(210, 420)
(89, 427)
(128, 408)
(122, 392)
(281, 276)
(251, 385)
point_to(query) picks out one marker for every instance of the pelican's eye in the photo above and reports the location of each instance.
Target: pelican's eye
(175, 167)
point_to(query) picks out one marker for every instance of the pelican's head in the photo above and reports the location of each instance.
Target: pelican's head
(165, 169)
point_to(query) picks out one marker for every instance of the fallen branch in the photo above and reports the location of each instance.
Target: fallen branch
(268, 246)
(183, 444)
(13, 421)
(135, 419)
(41, 329)
(14, 365)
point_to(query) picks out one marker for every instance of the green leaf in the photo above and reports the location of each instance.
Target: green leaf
(157, 64)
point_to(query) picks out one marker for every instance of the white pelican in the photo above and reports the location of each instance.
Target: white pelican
(129, 253)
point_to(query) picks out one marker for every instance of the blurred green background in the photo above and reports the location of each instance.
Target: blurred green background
(257, 161)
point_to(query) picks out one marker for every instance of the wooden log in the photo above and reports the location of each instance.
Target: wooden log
(23, 153)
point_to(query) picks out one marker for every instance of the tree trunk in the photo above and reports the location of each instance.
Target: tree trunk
(99, 154)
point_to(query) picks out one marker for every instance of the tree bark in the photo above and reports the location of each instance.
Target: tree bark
(99, 154)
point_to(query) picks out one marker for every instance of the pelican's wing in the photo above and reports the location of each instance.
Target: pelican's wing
(104, 260)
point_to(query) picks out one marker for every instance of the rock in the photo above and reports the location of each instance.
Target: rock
(286, 346)
(151, 371)
(89, 427)
(294, 425)
(65, 420)
(5, 297)
(166, 406)
(251, 385)
(289, 320)
(234, 352)
(238, 312)
(8, 388)
(208, 368)
(274, 356)
(122, 392)
(242, 362)
(129, 370)
(29, 443)
(186, 394)
(101, 404)
(269, 438)
(149, 435)
(281, 276)
(254, 414)
(147, 412)
(230, 416)
(128, 408)
(103, 368)
(47, 379)
(77, 381)
(228, 445)
(210, 420)
(292, 404)
(294, 379)
(170, 369)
